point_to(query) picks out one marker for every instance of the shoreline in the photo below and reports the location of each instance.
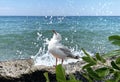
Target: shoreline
(24, 70)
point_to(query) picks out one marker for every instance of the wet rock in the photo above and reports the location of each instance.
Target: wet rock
(24, 70)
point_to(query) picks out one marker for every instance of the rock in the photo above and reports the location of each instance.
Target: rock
(15, 68)
(24, 70)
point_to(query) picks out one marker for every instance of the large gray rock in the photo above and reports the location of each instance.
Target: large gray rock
(24, 70)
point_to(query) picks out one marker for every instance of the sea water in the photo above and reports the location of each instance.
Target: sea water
(23, 37)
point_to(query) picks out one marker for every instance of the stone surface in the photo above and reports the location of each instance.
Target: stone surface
(24, 70)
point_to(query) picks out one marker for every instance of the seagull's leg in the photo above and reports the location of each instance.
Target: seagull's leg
(62, 61)
(56, 61)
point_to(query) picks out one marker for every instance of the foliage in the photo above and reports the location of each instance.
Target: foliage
(115, 39)
(60, 75)
(90, 72)
(104, 69)
(46, 76)
(112, 53)
(96, 67)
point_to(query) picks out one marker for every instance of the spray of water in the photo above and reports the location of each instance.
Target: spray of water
(43, 57)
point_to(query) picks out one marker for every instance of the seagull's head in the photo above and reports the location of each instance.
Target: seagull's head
(56, 36)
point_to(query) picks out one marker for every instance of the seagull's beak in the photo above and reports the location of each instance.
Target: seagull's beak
(54, 32)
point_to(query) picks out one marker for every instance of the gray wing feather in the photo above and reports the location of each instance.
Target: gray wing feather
(67, 52)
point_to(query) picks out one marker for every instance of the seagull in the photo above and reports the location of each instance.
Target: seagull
(58, 50)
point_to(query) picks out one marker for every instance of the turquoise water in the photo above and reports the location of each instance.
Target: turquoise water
(24, 36)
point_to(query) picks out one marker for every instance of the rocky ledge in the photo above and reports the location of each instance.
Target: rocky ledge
(24, 70)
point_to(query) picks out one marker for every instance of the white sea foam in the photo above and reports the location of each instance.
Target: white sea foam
(43, 57)
(48, 60)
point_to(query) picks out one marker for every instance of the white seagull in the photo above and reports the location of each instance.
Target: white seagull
(58, 50)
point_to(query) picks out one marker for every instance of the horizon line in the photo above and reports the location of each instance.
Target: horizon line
(59, 15)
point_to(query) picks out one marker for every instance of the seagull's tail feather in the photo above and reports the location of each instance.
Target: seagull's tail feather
(74, 57)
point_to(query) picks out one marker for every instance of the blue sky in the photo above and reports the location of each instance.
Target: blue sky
(59, 7)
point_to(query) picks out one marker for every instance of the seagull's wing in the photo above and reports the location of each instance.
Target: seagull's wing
(67, 52)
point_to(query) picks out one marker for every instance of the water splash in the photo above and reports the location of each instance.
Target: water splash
(48, 60)
(43, 57)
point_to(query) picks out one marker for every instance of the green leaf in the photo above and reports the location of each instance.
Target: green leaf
(116, 43)
(60, 73)
(46, 76)
(85, 52)
(87, 77)
(110, 80)
(102, 72)
(100, 58)
(115, 39)
(88, 65)
(72, 78)
(117, 76)
(114, 65)
(73, 81)
(112, 53)
(111, 70)
(93, 74)
(118, 60)
(88, 59)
